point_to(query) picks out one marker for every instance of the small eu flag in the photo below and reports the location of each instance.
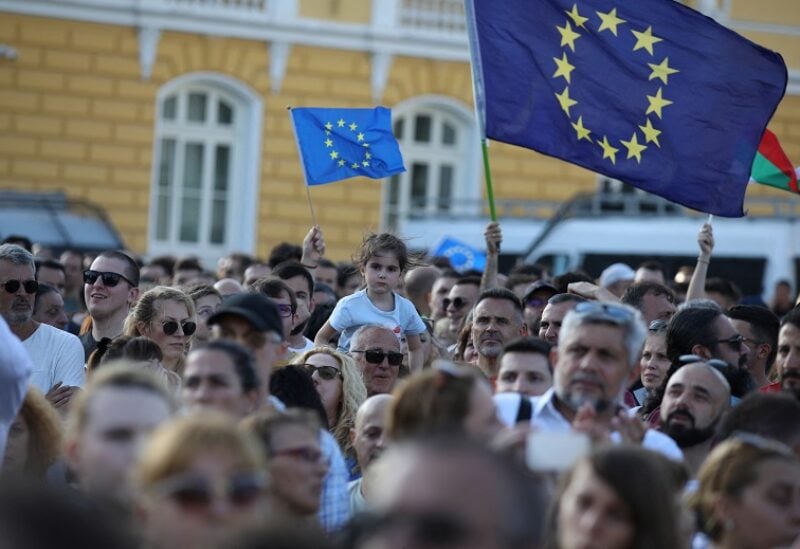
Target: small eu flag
(336, 144)
(462, 256)
(650, 92)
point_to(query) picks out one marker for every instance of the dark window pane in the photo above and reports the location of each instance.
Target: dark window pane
(166, 168)
(394, 191)
(162, 217)
(218, 215)
(221, 163)
(448, 134)
(190, 219)
(419, 185)
(399, 125)
(170, 108)
(422, 129)
(224, 113)
(197, 107)
(193, 166)
(445, 188)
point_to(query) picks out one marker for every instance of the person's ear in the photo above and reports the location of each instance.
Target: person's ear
(701, 351)
(133, 296)
(351, 435)
(763, 350)
(142, 328)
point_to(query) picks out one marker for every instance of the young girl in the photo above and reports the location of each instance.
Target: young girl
(382, 260)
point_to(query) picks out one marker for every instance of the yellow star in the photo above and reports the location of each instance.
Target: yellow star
(568, 36)
(565, 100)
(365, 163)
(341, 163)
(577, 18)
(329, 142)
(634, 148)
(662, 70)
(354, 165)
(582, 132)
(609, 21)
(334, 155)
(608, 151)
(657, 103)
(367, 156)
(340, 122)
(650, 133)
(360, 137)
(645, 40)
(328, 125)
(353, 126)
(564, 68)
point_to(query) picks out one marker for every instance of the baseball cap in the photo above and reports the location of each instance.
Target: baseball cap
(256, 308)
(615, 273)
(540, 285)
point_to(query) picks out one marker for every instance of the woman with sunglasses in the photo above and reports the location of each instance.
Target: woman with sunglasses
(167, 316)
(200, 480)
(295, 462)
(341, 389)
(749, 494)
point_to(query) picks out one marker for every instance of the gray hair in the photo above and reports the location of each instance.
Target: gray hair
(17, 255)
(359, 333)
(629, 319)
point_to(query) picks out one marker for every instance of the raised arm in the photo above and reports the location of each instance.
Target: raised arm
(494, 236)
(697, 285)
(313, 249)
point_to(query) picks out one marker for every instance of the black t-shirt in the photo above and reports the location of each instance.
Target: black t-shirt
(89, 344)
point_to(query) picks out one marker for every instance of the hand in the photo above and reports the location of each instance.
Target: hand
(705, 239)
(591, 291)
(313, 247)
(59, 395)
(494, 236)
(630, 429)
(512, 440)
(586, 421)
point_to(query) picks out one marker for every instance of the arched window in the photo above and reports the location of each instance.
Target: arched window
(439, 146)
(205, 169)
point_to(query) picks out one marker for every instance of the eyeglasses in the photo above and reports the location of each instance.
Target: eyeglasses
(13, 286)
(170, 327)
(376, 356)
(735, 341)
(609, 312)
(457, 302)
(284, 311)
(109, 279)
(325, 372)
(657, 325)
(303, 453)
(194, 492)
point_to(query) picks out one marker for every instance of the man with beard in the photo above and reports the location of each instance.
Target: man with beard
(497, 320)
(301, 283)
(787, 362)
(369, 442)
(695, 399)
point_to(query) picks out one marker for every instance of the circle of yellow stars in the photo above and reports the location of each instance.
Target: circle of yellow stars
(645, 40)
(358, 138)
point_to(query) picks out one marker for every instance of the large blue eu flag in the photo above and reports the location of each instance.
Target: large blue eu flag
(646, 91)
(336, 144)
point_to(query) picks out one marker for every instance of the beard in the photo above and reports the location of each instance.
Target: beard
(687, 436)
(740, 380)
(574, 400)
(790, 383)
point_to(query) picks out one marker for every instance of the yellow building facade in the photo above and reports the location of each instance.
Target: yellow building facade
(173, 118)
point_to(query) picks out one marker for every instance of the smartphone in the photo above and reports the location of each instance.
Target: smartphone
(555, 451)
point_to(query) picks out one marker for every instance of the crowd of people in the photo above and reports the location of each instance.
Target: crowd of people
(391, 402)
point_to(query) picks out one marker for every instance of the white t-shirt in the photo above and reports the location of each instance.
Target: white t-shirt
(357, 310)
(56, 356)
(15, 367)
(307, 346)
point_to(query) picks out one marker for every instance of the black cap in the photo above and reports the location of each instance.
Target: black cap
(538, 286)
(257, 309)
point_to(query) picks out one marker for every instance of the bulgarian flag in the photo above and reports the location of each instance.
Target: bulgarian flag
(772, 167)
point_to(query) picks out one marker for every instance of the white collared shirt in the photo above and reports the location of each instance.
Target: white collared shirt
(546, 417)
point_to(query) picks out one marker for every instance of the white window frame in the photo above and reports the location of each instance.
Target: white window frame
(466, 190)
(244, 161)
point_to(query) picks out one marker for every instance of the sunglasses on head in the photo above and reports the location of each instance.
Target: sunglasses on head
(13, 286)
(109, 279)
(609, 312)
(194, 493)
(170, 327)
(325, 372)
(457, 302)
(376, 356)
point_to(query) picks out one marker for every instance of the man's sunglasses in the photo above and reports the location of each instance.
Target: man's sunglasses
(375, 356)
(109, 279)
(12, 286)
(735, 341)
(325, 372)
(457, 302)
(195, 493)
(170, 327)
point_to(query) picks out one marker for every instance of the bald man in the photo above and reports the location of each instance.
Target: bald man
(369, 442)
(696, 398)
(227, 287)
(419, 286)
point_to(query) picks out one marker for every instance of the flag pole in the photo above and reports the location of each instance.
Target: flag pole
(303, 166)
(480, 103)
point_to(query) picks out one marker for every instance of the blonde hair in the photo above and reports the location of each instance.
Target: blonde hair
(44, 426)
(354, 393)
(727, 471)
(176, 444)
